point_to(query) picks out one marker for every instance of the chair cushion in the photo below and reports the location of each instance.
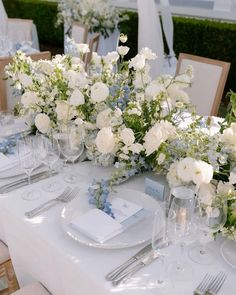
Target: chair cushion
(4, 253)
(32, 289)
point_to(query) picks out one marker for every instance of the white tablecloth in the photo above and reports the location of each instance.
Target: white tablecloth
(42, 251)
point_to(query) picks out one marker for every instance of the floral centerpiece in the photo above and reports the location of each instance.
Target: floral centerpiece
(99, 15)
(132, 122)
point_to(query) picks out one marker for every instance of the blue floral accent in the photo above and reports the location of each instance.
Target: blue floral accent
(98, 196)
(8, 144)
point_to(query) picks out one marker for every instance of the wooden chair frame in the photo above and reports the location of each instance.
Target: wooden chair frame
(92, 41)
(5, 61)
(224, 74)
(86, 31)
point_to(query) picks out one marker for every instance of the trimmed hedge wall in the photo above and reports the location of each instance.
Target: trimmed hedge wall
(213, 39)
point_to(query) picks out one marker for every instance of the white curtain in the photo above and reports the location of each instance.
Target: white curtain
(149, 34)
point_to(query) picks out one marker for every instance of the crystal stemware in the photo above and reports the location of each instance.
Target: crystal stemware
(71, 146)
(210, 220)
(28, 160)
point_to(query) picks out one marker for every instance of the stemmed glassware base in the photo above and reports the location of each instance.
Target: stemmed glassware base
(201, 255)
(31, 195)
(179, 271)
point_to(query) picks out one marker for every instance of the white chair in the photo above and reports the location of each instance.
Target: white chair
(93, 47)
(18, 30)
(209, 80)
(7, 101)
(79, 32)
(7, 271)
(32, 289)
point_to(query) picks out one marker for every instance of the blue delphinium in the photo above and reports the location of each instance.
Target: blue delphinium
(98, 196)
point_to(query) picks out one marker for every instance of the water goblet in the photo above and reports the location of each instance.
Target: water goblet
(71, 146)
(28, 160)
(210, 220)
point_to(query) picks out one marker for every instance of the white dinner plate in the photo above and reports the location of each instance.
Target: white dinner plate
(130, 237)
(228, 252)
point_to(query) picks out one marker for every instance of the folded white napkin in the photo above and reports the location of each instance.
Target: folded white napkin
(7, 162)
(97, 225)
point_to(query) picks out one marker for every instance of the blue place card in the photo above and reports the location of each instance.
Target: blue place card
(154, 189)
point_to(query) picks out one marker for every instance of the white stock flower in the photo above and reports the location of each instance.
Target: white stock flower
(127, 136)
(158, 134)
(62, 110)
(25, 80)
(104, 118)
(123, 50)
(43, 123)
(105, 141)
(137, 62)
(77, 98)
(29, 99)
(148, 54)
(99, 92)
(206, 193)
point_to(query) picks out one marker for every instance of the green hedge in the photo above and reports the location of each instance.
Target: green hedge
(206, 38)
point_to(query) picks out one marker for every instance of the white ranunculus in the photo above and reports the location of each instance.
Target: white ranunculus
(136, 148)
(105, 141)
(104, 118)
(25, 80)
(206, 193)
(77, 98)
(29, 99)
(99, 92)
(202, 172)
(185, 169)
(43, 123)
(137, 62)
(127, 136)
(62, 110)
(158, 134)
(148, 54)
(123, 50)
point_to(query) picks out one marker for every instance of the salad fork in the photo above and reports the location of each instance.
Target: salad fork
(203, 285)
(66, 196)
(216, 284)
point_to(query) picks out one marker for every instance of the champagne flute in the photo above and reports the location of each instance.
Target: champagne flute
(28, 160)
(71, 146)
(49, 155)
(210, 220)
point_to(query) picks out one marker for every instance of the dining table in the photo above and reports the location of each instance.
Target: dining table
(42, 250)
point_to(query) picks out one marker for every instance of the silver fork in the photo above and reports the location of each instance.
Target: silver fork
(216, 284)
(203, 285)
(66, 196)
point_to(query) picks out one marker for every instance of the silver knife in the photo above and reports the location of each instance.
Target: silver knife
(118, 270)
(146, 260)
(24, 181)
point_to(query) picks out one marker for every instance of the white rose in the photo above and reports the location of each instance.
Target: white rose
(136, 148)
(105, 140)
(229, 134)
(148, 54)
(29, 99)
(202, 172)
(104, 118)
(77, 98)
(25, 80)
(43, 123)
(137, 62)
(127, 136)
(185, 169)
(158, 134)
(99, 92)
(62, 110)
(123, 50)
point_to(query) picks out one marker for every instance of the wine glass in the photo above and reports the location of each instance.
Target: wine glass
(181, 230)
(28, 160)
(160, 239)
(210, 220)
(71, 146)
(49, 155)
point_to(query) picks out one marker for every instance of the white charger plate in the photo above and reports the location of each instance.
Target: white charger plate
(132, 236)
(228, 252)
